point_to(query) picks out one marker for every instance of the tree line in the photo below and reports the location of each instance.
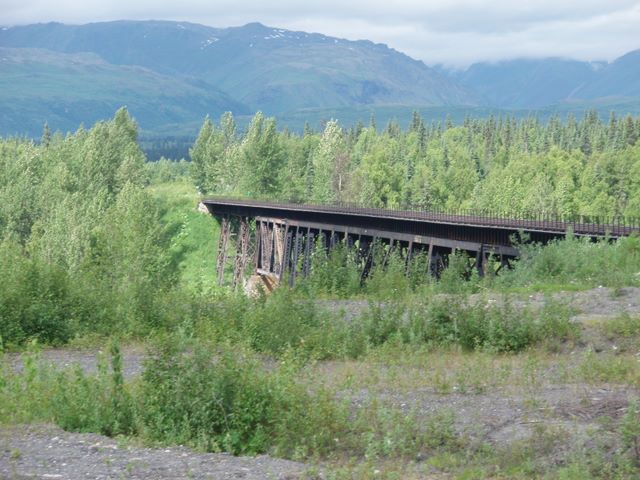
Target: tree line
(567, 167)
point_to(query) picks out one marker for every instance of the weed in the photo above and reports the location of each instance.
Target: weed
(621, 369)
(630, 431)
(625, 326)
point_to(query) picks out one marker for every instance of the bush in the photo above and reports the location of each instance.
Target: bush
(280, 321)
(445, 321)
(75, 400)
(335, 274)
(188, 398)
(579, 261)
(35, 299)
(230, 402)
(459, 276)
(274, 324)
(99, 403)
(630, 430)
(388, 278)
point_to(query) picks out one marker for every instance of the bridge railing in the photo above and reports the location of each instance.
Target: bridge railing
(615, 225)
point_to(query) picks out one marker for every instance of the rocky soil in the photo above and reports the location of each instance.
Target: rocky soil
(47, 452)
(597, 303)
(499, 415)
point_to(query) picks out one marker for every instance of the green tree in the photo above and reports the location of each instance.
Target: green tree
(324, 163)
(262, 158)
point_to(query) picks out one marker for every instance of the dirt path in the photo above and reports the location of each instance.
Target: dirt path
(47, 452)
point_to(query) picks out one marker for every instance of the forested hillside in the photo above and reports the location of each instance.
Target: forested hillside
(505, 165)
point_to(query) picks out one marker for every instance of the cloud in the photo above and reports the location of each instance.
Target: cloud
(454, 32)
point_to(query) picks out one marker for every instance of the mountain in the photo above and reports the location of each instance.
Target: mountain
(172, 74)
(265, 68)
(65, 90)
(619, 79)
(538, 83)
(527, 83)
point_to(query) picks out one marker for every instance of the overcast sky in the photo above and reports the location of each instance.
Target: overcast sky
(453, 32)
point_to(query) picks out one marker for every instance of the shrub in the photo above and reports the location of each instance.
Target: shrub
(630, 430)
(230, 402)
(280, 321)
(35, 299)
(95, 403)
(188, 398)
(574, 260)
(459, 276)
(444, 321)
(335, 274)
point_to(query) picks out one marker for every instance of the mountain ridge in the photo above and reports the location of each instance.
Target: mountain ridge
(542, 82)
(266, 68)
(171, 73)
(65, 90)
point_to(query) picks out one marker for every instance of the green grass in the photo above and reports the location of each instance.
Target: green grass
(194, 234)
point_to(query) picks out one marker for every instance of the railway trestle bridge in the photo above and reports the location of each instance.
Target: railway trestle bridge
(277, 239)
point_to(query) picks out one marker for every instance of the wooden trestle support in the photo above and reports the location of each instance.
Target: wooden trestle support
(281, 248)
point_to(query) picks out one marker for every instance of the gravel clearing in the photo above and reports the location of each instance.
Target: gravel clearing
(45, 451)
(499, 416)
(509, 414)
(596, 303)
(132, 359)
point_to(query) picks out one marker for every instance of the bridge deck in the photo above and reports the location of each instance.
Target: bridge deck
(546, 226)
(286, 234)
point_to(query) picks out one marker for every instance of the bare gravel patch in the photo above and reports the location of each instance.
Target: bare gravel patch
(601, 302)
(596, 303)
(47, 452)
(508, 414)
(132, 359)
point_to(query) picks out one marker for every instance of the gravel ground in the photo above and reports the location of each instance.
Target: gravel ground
(45, 451)
(506, 415)
(499, 416)
(132, 359)
(597, 303)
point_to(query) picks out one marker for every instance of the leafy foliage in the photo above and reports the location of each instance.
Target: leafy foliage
(81, 245)
(508, 166)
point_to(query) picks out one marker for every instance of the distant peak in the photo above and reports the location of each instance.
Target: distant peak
(255, 25)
